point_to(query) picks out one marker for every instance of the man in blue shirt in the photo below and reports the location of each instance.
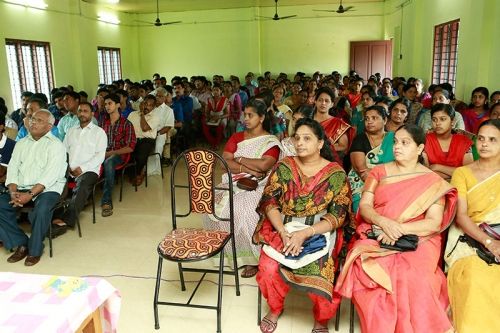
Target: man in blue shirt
(187, 111)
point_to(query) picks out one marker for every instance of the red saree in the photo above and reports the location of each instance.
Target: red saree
(400, 291)
(459, 146)
(334, 129)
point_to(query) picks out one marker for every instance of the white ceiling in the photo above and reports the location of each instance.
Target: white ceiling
(149, 6)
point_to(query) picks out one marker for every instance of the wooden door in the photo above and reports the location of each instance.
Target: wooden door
(370, 57)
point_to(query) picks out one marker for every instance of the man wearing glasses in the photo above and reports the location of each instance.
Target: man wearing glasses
(36, 173)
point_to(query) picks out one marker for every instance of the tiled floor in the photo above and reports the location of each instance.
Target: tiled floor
(122, 248)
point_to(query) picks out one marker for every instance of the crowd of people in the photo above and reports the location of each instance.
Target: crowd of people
(402, 178)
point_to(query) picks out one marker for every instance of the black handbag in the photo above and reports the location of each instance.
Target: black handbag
(492, 230)
(404, 243)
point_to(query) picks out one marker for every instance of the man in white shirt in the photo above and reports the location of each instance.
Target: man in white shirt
(146, 125)
(167, 120)
(36, 173)
(86, 146)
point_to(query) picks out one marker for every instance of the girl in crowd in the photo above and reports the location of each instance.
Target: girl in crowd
(472, 283)
(397, 291)
(398, 114)
(495, 111)
(310, 190)
(304, 111)
(337, 131)
(410, 92)
(368, 149)
(386, 90)
(445, 151)
(215, 118)
(251, 153)
(235, 107)
(477, 111)
(368, 98)
(282, 109)
(442, 96)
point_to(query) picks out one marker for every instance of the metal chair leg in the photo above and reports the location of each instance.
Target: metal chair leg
(50, 239)
(79, 227)
(181, 276)
(259, 306)
(157, 292)
(93, 204)
(135, 173)
(219, 296)
(351, 319)
(121, 184)
(235, 267)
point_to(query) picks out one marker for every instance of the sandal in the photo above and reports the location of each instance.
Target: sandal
(249, 271)
(320, 330)
(107, 210)
(267, 326)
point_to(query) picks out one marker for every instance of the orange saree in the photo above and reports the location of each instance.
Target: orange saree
(400, 291)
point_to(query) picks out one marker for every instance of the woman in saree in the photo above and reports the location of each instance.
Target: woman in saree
(303, 111)
(251, 153)
(472, 283)
(312, 191)
(339, 133)
(398, 114)
(215, 119)
(478, 109)
(403, 292)
(445, 151)
(369, 149)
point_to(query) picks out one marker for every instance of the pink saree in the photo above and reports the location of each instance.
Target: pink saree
(400, 291)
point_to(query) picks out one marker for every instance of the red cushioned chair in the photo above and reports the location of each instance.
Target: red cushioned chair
(187, 245)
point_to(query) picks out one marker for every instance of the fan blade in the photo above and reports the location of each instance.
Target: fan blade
(324, 10)
(348, 8)
(173, 22)
(143, 21)
(265, 17)
(285, 17)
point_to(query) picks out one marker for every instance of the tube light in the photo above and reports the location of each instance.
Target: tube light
(108, 18)
(40, 4)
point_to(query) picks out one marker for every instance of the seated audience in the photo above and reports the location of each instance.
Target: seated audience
(369, 149)
(396, 291)
(355, 96)
(166, 118)
(121, 143)
(368, 98)
(186, 104)
(146, 125)
(70, 120)
(304, 111)
(57, 107)
(398, 114)
(215, 118)
(495, 111)
(410, 92)
(445, 151)
(477, 111)
(294, 101)
(251, 153)
(19, 114)
(6, 148)
(337, 131)
(36, 175)
(235, 107)
(424, 119)
(33, 106)
(279, 107)
(494, 97)
(472, 283)
(312, 191)
(86, 146)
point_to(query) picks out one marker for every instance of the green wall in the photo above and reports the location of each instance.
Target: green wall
(234, 41)
(478, 48)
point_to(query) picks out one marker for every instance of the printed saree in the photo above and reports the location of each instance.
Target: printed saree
(400, 291)
(379, 155)
(296, 195)
(245, 202)
(472, 284)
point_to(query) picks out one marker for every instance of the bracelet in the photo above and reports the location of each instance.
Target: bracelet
(239, 161)
(241, 167)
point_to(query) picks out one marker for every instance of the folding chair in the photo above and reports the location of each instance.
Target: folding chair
(187, 245)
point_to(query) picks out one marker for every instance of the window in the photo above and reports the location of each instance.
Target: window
(444, 66)
(30, 68)
(110, 68)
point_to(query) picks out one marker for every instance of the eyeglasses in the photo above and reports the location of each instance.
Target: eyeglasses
(33, 120)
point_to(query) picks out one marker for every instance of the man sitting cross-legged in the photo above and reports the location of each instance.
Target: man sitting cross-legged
(36, 173)
(121, 142)
(86, 146)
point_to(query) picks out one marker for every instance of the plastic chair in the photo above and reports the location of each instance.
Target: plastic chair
(187, 245)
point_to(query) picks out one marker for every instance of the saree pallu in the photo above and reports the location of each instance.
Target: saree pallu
(400, 291)
(245, 202)
(298, 196)
(473, 285)
(379, 155)
(459, 146)
(334, 129)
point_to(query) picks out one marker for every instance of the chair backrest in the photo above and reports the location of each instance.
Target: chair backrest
(201, 165)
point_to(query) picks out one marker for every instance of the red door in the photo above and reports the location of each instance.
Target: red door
(372, 57)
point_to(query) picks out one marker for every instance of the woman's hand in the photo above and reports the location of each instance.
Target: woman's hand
(391, 228)
(384, 239)
(294, 243)
(494, 247)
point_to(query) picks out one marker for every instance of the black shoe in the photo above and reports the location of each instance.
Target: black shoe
(58, 230)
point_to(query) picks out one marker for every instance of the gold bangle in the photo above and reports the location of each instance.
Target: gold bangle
(239, 161)
(241, 167)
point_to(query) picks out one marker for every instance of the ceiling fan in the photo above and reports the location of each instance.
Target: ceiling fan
(157, 22)
(340, 10)
(276, 17)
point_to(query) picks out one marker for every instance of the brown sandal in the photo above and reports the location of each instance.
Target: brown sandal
(267, 326)
(320, 330)
(106, 210)
(249, 271)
